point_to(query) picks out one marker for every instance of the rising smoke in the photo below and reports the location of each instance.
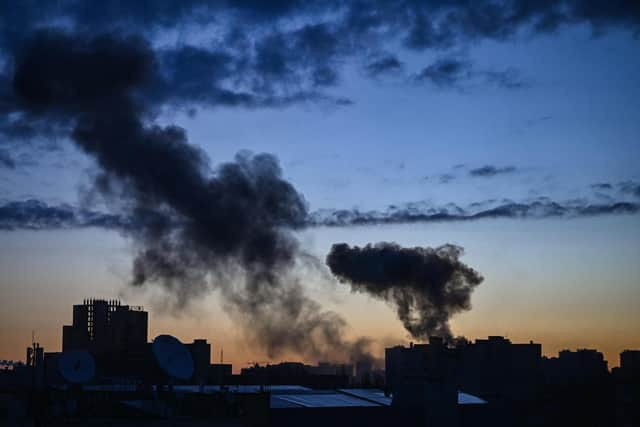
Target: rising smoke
(196, 228)
(426, 285)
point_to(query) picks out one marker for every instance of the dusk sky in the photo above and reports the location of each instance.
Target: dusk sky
(509, 129)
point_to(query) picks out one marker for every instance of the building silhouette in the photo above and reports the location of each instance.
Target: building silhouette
(201, 353)
(627, 389)
(324, 375)
(577, 388)
(583, 366)
(116, 335)
(630, 364)
(489, 381)
(507, 375)
(492, 367)
(105, 326)
(520, 385)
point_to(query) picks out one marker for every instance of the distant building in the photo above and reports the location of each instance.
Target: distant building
(105, 326)
(497, 368)
(201, 353)
(630, 363)
(583, 366)
(427, 377)
(627, 389)
(364, 370)
(422, 379)
(489, 367)
(577, 388)
(117, 336)
(324, 375)
(327, 368)
(114, 333)
(219, 373)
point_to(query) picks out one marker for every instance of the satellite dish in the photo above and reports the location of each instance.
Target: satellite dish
(76, 366)
(173, 357)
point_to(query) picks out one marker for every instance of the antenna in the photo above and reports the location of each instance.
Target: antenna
(173, 357)
(221, 354)
(76, 366)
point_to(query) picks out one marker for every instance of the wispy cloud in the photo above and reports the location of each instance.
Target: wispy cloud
(453, 72)
(6, 161)
(445, 72)
(385, 65)
(489, 171)
(446, 178)
(509, 78)
(602, 186)
(37, 215)
(630, 187)
(414, 213)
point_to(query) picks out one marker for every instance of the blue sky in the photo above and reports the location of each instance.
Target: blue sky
(573, 124)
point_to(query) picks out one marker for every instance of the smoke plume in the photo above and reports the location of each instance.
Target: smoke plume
(426, 285)
(196, 227)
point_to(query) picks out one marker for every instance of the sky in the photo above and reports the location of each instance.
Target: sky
(131, 167)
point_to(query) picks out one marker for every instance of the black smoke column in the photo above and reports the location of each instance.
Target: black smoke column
(427, 285)
(194, 227)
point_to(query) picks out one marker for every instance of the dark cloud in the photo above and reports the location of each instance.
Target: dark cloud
(602, 186)
(36, 215)
(384, 65)
(195, 76)
(182, 77)
(443, 24)
(447, 72)
(426, 285)
(18, 129)
(421, 24)
(456, 72)
(443, 178)
(396, 214)
(274, 54)
(537, 209)
(194, 227)
(507, 79)
(148, 15)
(63, 74)
(630, 187)
(488, 171)
(306, 57)
(204, 77)
(446, 178)
(6, 161)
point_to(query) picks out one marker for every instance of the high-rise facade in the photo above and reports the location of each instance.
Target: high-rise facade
(105, 326)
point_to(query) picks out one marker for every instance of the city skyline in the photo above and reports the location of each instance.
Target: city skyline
(238, 364)
(511, 133)
(112, 326)
(107, 356)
